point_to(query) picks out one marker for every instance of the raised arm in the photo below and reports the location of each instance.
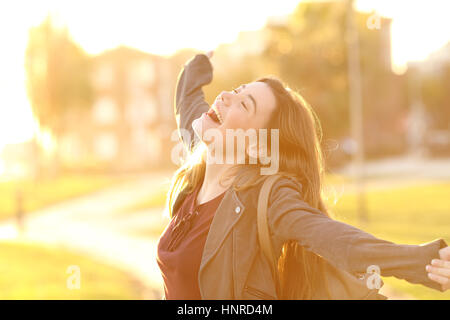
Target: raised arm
(190, 100)
(344, 246)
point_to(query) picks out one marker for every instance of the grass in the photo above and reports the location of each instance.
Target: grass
(408, 215)
(153, 231)
(156, 199)
(34, 272)
(37, 195)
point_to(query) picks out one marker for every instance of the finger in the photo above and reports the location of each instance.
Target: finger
(445, 253)
(439, 271)
(209, 54)
(440, 263)
(439, 279)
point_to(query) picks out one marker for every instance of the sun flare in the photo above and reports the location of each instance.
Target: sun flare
(165, 27)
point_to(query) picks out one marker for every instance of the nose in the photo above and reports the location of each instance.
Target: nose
(225, 96)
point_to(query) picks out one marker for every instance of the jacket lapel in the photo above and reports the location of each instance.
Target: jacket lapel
(229, 211)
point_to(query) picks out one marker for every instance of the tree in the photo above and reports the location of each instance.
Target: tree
(309, 53)
(57, 75)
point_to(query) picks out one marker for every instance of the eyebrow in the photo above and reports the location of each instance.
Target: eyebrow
(251, 97)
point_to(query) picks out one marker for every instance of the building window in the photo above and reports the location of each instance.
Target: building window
(141, 110)
(106, 146)
(105, 111)
(104, 77)
(145, 72)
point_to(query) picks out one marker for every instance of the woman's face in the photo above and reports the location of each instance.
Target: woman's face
(248, 107)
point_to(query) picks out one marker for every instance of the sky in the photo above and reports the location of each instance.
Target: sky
(162, 27)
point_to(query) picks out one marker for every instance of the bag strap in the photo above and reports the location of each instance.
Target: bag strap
(263, 228)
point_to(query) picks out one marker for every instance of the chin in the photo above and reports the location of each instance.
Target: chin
(202, 125)
(198, 127)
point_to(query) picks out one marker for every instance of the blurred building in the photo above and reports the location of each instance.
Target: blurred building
(435, 62)
(130, 121)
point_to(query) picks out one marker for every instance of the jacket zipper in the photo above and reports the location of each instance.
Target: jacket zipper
(258, 293)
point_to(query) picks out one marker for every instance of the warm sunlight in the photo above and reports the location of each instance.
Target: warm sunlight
(418, 27)
(160, 28)
(164, 27)
(204, 150)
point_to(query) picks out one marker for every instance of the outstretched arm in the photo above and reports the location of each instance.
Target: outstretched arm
(190, 100)
(344, 246)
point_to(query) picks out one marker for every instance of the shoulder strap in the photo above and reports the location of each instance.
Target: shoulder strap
(263, 228)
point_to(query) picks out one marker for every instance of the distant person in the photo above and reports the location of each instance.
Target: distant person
(210, 248)
(20, 213)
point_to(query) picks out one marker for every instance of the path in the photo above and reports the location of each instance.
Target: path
(93, 225)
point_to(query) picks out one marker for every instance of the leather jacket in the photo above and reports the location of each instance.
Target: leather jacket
(234, 267)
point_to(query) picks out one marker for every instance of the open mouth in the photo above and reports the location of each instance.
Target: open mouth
(215, 115)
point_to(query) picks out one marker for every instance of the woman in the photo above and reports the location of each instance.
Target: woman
(210, 248)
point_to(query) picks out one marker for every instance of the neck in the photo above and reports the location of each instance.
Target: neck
(214, 172)
(213, 175)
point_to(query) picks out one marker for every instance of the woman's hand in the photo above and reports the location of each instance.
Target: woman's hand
(439, 271)
(209, 54)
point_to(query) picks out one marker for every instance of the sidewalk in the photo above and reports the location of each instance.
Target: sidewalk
(404, 168)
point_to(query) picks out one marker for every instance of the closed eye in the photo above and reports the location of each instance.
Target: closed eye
(235, 91)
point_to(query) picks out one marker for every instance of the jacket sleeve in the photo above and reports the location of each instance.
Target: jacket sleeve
(189, 99)
(344, 246)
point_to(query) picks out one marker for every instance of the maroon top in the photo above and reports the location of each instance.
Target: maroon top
(180, 247)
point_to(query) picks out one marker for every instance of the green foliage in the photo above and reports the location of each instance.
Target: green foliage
(57, 74)
(309, 54)
(435, 93)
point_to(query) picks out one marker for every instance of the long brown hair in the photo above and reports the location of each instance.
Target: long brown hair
(300, 157)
